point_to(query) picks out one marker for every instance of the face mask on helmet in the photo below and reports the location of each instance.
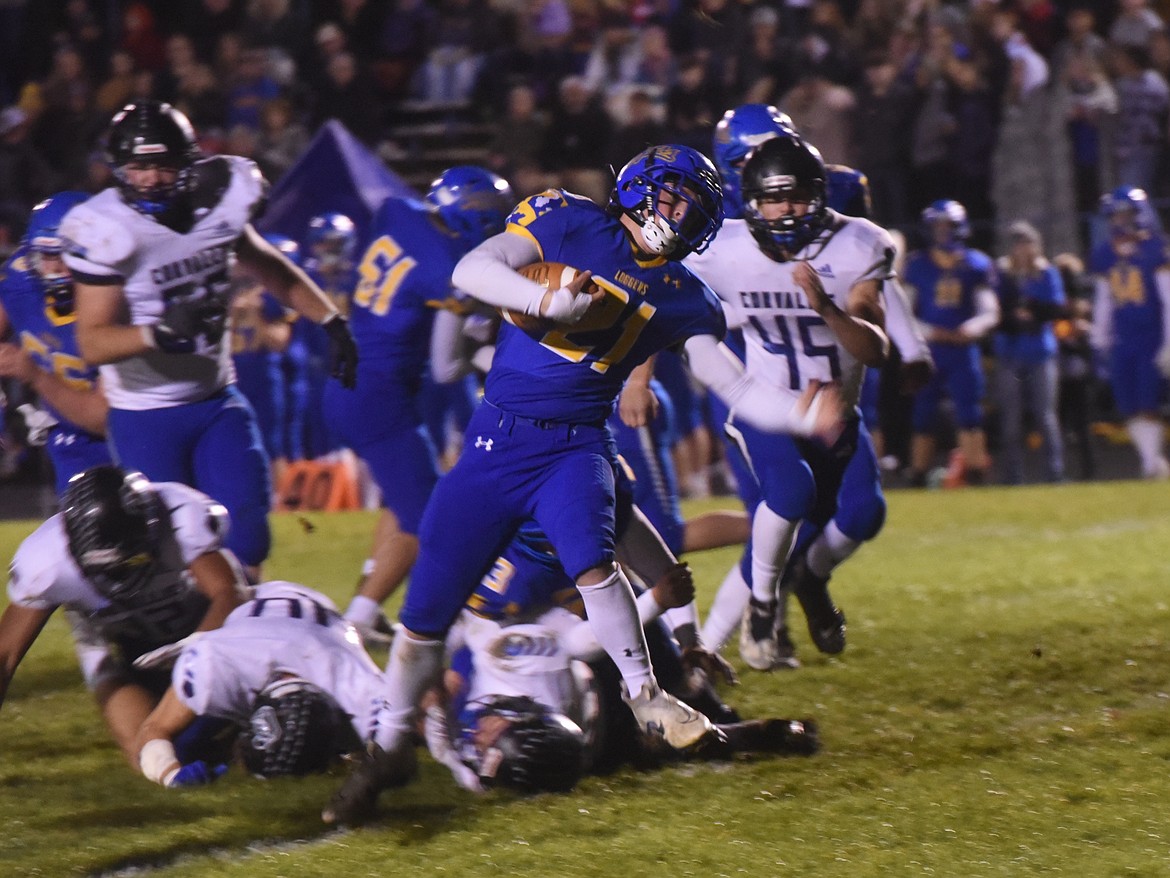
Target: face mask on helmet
(674, 195)
(784, 195)
(151, 147)
(740, 131)
(946, 223)
(45, 246)
(331, 242)
(1128, 212)
(295, 729)
(473, 203)
(113, 522)
(530, 749)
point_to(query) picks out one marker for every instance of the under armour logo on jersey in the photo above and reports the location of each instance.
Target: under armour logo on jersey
(486, 444)
(825, 270)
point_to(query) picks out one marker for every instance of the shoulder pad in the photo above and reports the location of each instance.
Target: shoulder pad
(90, 234)
(213, 177)
(536, 206)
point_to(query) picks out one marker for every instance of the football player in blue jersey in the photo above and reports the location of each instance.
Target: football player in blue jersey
(404, 282)
(953, 288)
(36, 308)
(1131, 319)
(330, 259)
(538, 447)
(260, 336)
(152, 260)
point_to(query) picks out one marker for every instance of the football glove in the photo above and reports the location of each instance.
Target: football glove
(185, 320)
(196, 774)
(343, 351)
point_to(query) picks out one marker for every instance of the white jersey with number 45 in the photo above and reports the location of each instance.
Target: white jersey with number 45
(109, 242)
(788, 344)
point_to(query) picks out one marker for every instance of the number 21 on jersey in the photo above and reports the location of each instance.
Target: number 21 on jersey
(606, 333)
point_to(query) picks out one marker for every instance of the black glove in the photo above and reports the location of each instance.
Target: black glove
(185, 319)
(343, 352)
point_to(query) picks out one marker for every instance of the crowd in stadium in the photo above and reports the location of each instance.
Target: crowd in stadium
(780, 287)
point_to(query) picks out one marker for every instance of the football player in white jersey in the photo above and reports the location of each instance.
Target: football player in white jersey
(152, 258)
(288, 669)
(136, 565)
(805, 284)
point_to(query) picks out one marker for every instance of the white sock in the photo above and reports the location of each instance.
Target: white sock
(362, 610)
(828, 550)
(726, 610)
(414, 667)
(613, 615)
(771, 542)
(1146, 435)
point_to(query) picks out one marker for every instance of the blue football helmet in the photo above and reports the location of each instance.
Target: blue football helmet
(330, 242)
(740, 131)
(43, 238)
(848, 191)
(1128, 211)
(473, 203)
(151, 133)
(678, 171)
(285, 245)
(785, 169)
(946, 210)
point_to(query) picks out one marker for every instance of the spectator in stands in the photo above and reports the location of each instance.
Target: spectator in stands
(1134, 26)
(276, 25)
(407, 33)
(884, 127)
(640, 129)
(349, 97)
(613, 62)
(466, 32)
(1031, 298)
(84, 30)
(576, 143)
(822, 111)
(252, 88)
(768, 68)
(514, 156)
(206, 22)
(657, 67)
(1143, 101)
(360, 22)
(115, 92)
(180, 58)
(200, 98)
(140, 36)
(282, 139)
(1090, 105)
(1081, 40)
(25, 178)
(694, 104)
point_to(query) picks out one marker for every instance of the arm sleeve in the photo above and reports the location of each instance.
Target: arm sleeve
(986, 314)
(901, 326)
(1101, 331)
(447, 361)
(488, 273)
(761, 406)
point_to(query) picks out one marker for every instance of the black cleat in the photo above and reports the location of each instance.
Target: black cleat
(826, 624)
(376, 770)
(791, 736)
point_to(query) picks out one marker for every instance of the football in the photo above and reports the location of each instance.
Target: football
(551, 276)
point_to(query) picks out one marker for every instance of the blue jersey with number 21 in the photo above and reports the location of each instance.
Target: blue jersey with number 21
(573, 374)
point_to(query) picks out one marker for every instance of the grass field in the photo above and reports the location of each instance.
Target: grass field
(1003, 708)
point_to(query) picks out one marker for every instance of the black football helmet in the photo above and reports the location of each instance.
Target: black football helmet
(540, 751)
(785, 167)
(151, 132)
(296, 728)
(114, 522)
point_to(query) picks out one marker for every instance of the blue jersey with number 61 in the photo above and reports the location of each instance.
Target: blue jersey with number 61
(573, 374)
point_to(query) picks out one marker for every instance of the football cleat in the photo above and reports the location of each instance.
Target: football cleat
(757, 635)
(660, 714)
(376, 770)
(826, 624)
(785, 648)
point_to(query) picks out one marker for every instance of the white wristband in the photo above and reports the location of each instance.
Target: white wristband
(158, 761)
(147, 333)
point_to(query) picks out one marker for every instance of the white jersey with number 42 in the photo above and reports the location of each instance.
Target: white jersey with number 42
(788, 344)
(109, 242)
